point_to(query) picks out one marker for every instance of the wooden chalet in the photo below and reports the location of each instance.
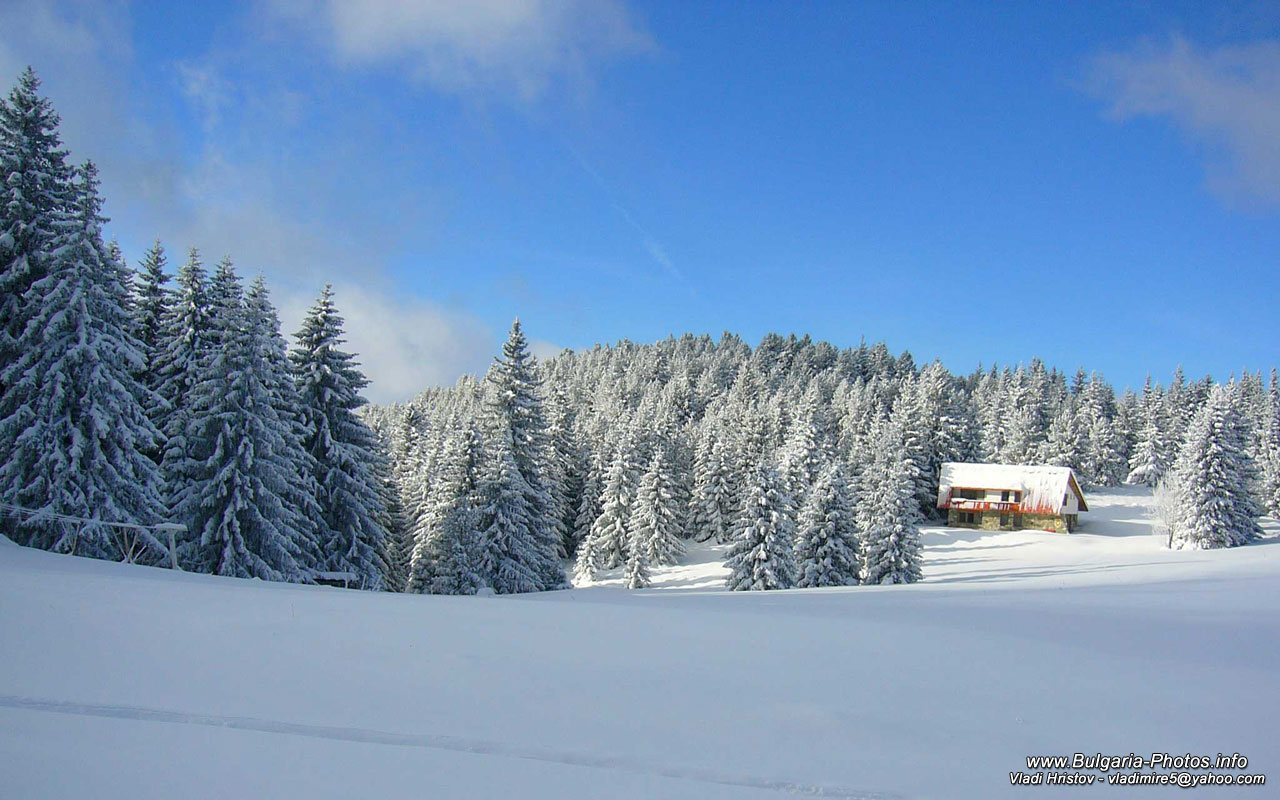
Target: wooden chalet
(1010, 497)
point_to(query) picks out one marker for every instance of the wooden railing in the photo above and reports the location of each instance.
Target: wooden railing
(984, 505)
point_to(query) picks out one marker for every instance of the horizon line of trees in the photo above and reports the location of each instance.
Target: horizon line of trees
(815, 465)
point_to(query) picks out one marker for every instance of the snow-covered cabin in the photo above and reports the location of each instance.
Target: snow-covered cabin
(1010, 496)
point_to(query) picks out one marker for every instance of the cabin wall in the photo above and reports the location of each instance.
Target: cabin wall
(990, 521)
(1073, 503)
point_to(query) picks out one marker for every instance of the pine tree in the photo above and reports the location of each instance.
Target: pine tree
(446, 553)
(763, 551)
(72, 413)
(37, 211)
(588, 508)
(151, 298)
(638, 563)
(890, 539)
(1269, 452)
(344, 451)
(512, 555)
(515, 416)
(655, 524)
(608, 544)
(399, 539)
(241, 500)
(712, 508)
(912, 418)
(827, 542)
(182, 349)
(1147, 465)
(1214, 505)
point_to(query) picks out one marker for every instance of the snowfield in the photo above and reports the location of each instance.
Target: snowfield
(125, 682)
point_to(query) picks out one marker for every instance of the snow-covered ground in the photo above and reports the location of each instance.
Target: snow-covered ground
(121, 681)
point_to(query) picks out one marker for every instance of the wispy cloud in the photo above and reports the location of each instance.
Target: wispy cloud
(519, 46)
(1226, 99)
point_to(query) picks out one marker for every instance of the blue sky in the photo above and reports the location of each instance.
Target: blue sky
(1088, 183)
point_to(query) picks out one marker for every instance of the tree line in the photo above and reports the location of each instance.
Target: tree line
(816, 465)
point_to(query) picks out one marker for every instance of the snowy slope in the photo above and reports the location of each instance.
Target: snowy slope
(121, 681)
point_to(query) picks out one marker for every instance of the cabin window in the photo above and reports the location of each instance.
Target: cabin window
(968, 494)
(968, 518)
(1004, 496)
(1017, 522)
(1065, 499)
(1004, 520)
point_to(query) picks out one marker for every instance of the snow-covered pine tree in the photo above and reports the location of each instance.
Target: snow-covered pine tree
(344, 451)
(588, 506)
(564, 475)
(1147, 465)
(1214, 505)
(446, 556)
(1269, 449)
(512, 554)
(150, 299)
(803, 456)
(240, 500)
(608, 543)
(638, 562)
(180, 355)
(912, 418)
(827, 541)
(37, 206)
(763, 552)
(655, 523)
(890, 522)
(400, 541)
(514, 414)
(72, 415)
(712, 507)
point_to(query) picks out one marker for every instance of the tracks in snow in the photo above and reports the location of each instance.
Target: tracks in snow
(435, 741)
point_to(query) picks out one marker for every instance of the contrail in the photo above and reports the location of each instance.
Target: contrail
(650, 244)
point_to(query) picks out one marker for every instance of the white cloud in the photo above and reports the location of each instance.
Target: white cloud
(1226, 99)
(542, 350)
(404, 345)
(230, 196)
(522, 46)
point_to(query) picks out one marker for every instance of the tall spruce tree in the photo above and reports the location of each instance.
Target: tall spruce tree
(150, 299)
(181, 350)
(827, 541)
(446, 556)
(37, 210)
(712, 508)
(889, 515)
(608, 543)
(1215, 507)
(518, 426)
(512, 554)
(1269, 452)
(240, 499)
(71, 415)
(344, 452)
(1147, 465)
(655, 524)
(763, 552)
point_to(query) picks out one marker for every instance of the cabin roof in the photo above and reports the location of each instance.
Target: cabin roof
(1043, 487)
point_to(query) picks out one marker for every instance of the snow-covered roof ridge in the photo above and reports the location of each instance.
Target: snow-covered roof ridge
(1043, 487)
